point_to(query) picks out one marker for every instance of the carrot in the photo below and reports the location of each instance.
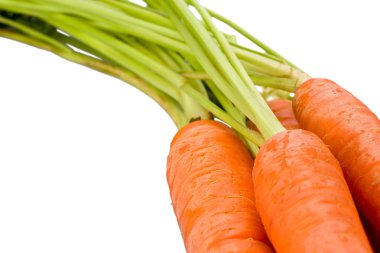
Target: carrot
(303, 199)
(352, 133)
(208, 173)
(283, 110)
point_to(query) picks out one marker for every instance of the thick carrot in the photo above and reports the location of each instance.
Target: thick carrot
(283, 110)
(303, 199)
(352, 133)
(209, 178)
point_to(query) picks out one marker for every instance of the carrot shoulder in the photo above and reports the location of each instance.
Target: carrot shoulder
(208, 172)
(352, 133)
(303, 199)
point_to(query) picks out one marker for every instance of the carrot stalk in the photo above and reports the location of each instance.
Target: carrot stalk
(303, 199)
(208, 172)
(351, 131)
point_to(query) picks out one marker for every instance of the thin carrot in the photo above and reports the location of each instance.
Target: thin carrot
(303, 199)
(283, 110)
(208, 173)
(352, 133)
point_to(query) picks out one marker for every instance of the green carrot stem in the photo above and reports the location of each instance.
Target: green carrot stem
(116, 22)
(119, 23)
(191, 108)
(106, 13)
(121, 53)
(141, 47)
(171, 106)
(74, 43)
(203, 60)
(230, 109)
(249, 36)
(251, 103)
(151, 44)
(141, 12)
(252, 136)
(33, 33)
(279, 83)
(164, 56)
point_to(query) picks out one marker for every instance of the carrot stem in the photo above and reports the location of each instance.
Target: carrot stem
(244, 94)
(33, 33)
(120, 22)
(143, 13)
(249, 36)
(155, 44)
(171, 106)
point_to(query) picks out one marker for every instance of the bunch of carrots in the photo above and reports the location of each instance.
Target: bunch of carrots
(266, 159)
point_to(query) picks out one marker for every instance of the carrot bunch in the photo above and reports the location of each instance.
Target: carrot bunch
(300, 174)
(302, 195)
(301, 192)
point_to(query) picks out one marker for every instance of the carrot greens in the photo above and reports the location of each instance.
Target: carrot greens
(193, 70)
(174, 52)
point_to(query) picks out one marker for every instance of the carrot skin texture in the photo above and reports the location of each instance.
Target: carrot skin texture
(352, 133)
(209, 176)
(283, 110)
(303, 199)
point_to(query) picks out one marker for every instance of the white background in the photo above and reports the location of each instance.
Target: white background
(83, 155)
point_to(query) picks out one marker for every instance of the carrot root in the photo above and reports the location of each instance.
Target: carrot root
(303, 199)
(351, 131)
(209, 178)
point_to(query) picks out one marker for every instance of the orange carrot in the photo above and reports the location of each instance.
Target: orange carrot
(210, 185)
(352, 133)
(283, 110)
(303, 199)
